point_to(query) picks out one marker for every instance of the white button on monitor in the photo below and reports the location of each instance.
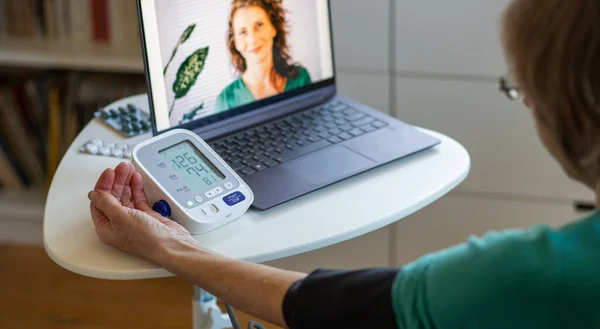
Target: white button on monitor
(210, 210)
(229, 185)
(209, 194)
(218, 190)
(198, 199)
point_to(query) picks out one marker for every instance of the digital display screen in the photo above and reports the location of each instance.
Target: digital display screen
(192, 166)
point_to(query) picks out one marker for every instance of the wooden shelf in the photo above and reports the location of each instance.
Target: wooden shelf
(70, 56)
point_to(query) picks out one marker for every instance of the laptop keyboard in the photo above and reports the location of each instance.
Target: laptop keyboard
(268, 145)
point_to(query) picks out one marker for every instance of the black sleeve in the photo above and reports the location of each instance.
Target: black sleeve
(342, 299)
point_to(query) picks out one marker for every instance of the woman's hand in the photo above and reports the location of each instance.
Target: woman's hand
(124, 219)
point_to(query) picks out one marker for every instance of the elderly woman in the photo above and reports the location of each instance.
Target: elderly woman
(257, 42)
(535, 278)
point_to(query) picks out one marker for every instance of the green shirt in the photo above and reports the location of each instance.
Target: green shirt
(237, 93)
(537, 278)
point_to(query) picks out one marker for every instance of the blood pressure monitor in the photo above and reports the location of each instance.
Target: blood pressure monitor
(185, 179)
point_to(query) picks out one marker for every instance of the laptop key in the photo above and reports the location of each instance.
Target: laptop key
(324, 135)
(345, 135)
(236, 165)
(247, 171)
(349, 112)
(379, 124)
(338, 107)
(356, 132)
(270, 163)
(287, 155)
(261, 158)
(335, 131)
(335, 140)
(362, 122)
(368, 128)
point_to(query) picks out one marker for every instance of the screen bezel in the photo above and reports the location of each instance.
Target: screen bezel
(233, 113)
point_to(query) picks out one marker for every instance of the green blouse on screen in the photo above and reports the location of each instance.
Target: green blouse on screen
(237, 93)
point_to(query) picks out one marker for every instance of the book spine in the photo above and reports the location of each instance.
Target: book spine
(100, 13)
(10, 176)
(19, 140)
(40, 19)
(53, 133)
(80, 22)
(3, 32)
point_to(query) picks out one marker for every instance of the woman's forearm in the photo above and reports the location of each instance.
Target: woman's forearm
(255, 289)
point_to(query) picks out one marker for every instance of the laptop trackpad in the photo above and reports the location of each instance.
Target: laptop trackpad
(302, 175)
(328, 165)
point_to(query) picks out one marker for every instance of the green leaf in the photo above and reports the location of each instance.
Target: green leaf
(191, 114)
(183, 38)
(187, 33)
(189, 71)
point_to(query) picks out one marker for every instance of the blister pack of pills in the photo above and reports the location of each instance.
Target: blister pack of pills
(129, 121)
(107, 148)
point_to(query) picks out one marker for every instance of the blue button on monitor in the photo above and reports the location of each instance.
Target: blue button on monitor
(162, 207)
(234, 198)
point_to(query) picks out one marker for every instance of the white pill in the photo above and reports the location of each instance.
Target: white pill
(127, 154)
(110, 145)
(118, 153)
(104, 151)
(97, 142)
(91, 148)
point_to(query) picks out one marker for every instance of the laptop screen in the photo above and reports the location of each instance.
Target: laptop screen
(220, 58)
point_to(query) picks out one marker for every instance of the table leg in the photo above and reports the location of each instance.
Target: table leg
(206, 312)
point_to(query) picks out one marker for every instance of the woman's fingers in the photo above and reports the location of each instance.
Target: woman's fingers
(105, 181)
(107, 204)
(122, 172)
(126, 197)
(140, 199)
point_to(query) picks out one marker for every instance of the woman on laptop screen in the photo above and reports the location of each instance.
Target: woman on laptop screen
(257, 42)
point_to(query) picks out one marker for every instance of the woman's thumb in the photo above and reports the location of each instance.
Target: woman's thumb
(106, 203)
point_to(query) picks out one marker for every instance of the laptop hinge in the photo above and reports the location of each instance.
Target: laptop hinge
(268, 113)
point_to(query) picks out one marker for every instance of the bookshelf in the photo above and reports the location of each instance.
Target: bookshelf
(60, 61)
(52, 54)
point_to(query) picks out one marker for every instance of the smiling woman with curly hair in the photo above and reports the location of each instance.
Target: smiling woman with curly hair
(257, 43)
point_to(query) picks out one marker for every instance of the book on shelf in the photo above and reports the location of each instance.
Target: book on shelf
(82, 22)
(42, 115)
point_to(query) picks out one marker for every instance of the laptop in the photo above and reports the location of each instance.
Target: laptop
(256, 79)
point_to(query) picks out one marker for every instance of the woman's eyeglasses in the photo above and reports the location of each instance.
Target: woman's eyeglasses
(509, 88)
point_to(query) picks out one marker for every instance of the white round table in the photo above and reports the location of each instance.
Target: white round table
(340, 212)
